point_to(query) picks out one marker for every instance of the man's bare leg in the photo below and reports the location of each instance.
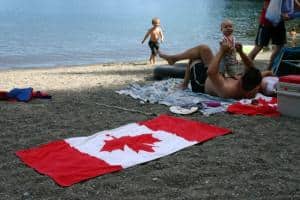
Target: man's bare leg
(276, 50)
(202, 52)
(187, 75)
(254, 52)
(151, 59)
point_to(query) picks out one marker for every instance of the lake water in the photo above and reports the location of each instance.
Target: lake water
(44, 33)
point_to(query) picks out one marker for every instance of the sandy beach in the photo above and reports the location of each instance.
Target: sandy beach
(260, 160)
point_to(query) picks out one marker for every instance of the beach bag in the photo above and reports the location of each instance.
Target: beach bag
(273, 13)
(198, 75)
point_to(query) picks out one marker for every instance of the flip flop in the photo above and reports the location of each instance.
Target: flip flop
(183, 111)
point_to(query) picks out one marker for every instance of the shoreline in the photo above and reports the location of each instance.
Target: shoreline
(73, 77)
(262, 56)
(79, 77)
(138, 62)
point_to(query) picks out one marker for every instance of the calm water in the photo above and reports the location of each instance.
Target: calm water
(72, 32)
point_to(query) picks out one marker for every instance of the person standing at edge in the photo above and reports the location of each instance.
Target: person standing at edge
(266, 32)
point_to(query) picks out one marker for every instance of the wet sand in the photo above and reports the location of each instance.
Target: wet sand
(260, 160)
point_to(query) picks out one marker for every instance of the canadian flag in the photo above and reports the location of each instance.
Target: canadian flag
(76, 159)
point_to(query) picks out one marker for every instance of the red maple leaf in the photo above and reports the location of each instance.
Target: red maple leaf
(137, 143)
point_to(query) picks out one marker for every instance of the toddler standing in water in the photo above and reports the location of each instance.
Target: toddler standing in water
(156, 35)
(229, 65)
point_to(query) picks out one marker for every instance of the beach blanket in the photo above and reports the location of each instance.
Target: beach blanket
(23, 94)
(76, 159)
(168, 93)
(260, 105)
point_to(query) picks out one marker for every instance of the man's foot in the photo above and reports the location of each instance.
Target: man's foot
(169, 59)
(150, 62)
(183, 86)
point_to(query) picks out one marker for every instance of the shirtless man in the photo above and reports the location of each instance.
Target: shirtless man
(241, 86)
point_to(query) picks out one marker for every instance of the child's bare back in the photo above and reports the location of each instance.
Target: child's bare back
(155, 34)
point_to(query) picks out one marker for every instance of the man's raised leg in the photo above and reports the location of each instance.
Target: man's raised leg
(202, 52)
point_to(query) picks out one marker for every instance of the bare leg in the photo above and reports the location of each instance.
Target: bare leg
(153, 59)
(276, 50)
(202, 52)
(187, 75)
(254, 52)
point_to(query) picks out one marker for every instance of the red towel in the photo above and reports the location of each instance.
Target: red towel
(260, 106)
(3, 95)
(40, 95)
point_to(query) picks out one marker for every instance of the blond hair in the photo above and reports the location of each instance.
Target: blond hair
(156, 21)
(226, 21)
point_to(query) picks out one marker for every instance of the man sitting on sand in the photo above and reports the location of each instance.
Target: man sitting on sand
(212, 81)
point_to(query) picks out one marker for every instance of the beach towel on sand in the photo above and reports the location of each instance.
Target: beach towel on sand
(76, 159)
(260, 105)
(166, 92)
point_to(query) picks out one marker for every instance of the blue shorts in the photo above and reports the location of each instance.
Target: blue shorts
(275, 33)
